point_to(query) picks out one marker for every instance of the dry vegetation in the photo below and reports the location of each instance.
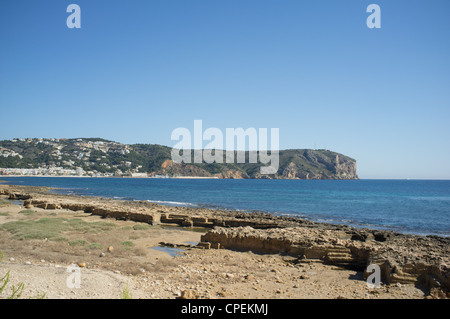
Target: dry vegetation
(72, 237)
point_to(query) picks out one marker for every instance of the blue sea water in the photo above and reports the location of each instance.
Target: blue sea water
(407, 206)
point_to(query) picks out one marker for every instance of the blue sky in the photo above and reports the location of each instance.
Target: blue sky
(136, 70)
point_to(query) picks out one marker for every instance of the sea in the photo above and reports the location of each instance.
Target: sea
(419, 207)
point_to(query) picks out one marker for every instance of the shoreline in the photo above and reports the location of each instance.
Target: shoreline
(76, 176)
(403, 258)
(215, 177)
(312, 218)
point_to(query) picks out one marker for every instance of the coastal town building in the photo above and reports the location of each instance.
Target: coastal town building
(64, 157)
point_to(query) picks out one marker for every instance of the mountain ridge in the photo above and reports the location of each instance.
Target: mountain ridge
(101, 157)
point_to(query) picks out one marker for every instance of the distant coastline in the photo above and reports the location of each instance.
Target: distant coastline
(139, 177)
(102, 158)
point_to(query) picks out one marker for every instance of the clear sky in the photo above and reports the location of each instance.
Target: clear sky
(138, 69)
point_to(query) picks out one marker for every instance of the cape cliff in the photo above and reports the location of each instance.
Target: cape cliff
(294, 164)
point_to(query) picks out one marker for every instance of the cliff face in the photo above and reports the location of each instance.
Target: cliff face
(174, 169)
(312, 164)
(346, 169)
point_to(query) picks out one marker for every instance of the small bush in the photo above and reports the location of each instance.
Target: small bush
(16, 292)
(27, 212)
(126, 293)
(53, 228)
(141, 226)
(78, 242)
(95, 246)
(41, 229)
(5, 202)
(127, 244)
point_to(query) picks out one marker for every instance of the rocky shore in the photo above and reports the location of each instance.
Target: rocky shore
(419, 261)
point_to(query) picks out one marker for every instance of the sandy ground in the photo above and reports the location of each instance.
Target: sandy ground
(124, 259)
